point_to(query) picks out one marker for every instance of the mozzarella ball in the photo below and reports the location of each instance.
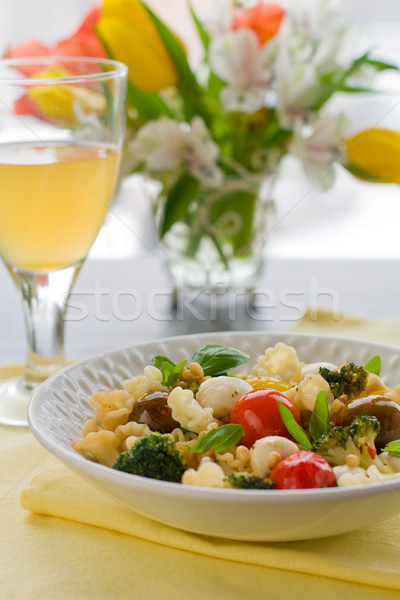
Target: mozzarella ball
(268, 451)
(221, 393)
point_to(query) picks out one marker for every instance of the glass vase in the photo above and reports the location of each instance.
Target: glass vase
(220, 241)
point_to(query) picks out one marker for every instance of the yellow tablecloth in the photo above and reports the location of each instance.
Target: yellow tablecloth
(129, 556)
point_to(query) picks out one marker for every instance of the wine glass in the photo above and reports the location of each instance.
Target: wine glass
(61, 131)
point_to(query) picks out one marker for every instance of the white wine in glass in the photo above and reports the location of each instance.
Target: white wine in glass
(61, 133)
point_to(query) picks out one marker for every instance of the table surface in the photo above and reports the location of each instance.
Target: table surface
(121, 302)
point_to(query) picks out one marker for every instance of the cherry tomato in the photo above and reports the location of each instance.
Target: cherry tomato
(385, 410)
(303, 470)
(258, 413)
(153, 410)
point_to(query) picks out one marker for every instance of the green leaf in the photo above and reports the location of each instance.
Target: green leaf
(170, 371)
(173, 47)
(219, 440)
(203, 35)
(393, 448)
(374, 365)
(348, 89)
(293, 427)
(178, 199)
(380, 65)
(191, 92)
(217, 360)
(240, 232)
(158, 361)
(147, 104)
(319, 420)
(215, 85)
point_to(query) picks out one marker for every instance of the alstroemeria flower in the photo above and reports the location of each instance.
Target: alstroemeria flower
(130, 36)
(318, 147)
(318, 31)
(375, 153)
(263, 19)
(164, 145)
(298, 88)
(237, 59)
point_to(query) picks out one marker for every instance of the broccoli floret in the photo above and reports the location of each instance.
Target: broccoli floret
(245, 481)
(156, 456)
(350, 380)
(357, 439)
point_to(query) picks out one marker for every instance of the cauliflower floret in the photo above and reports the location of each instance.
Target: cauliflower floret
(375, 385)
(280, 361)
(188, 412)
(268, 451)
(395, 394)
(346, 476)
(150, 381)
(305, 393)
(209, 474)
(221, 393)
(313, 368)
(392, 461)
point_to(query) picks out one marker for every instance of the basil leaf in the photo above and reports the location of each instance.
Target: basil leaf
(319, 420)
(170, 371)
(217, 360)
(219, 440)
(393, 448)
(293, 427)
(374, 365)
(158, 361)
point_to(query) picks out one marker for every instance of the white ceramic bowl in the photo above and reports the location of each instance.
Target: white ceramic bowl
(62, 405)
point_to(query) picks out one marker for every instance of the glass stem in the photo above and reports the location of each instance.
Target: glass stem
(44, 299)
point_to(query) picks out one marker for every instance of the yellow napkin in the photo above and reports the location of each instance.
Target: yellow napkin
(65, 495)
(127, 554)
(321, 322)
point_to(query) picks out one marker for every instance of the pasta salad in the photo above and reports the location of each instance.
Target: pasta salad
(284, 424)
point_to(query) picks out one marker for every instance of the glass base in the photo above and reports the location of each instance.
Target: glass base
(14, 400)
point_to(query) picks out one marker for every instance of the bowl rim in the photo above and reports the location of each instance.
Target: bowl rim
(101, 472)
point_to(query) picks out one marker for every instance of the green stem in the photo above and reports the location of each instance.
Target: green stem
(216, 243)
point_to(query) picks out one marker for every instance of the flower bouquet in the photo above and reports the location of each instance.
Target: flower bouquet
(213, 134)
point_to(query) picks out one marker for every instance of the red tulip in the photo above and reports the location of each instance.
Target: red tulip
(263, 19)
(84, 42)
(26, 50)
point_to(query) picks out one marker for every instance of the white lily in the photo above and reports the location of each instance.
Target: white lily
(318, 148)
(165, 145)
(237, 58)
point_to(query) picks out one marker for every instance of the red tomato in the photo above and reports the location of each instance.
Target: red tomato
(302, 470)
(258, 413)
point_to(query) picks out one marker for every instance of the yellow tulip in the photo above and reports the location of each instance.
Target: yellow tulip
(59, 102)
(130, 36)
(376, 152)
